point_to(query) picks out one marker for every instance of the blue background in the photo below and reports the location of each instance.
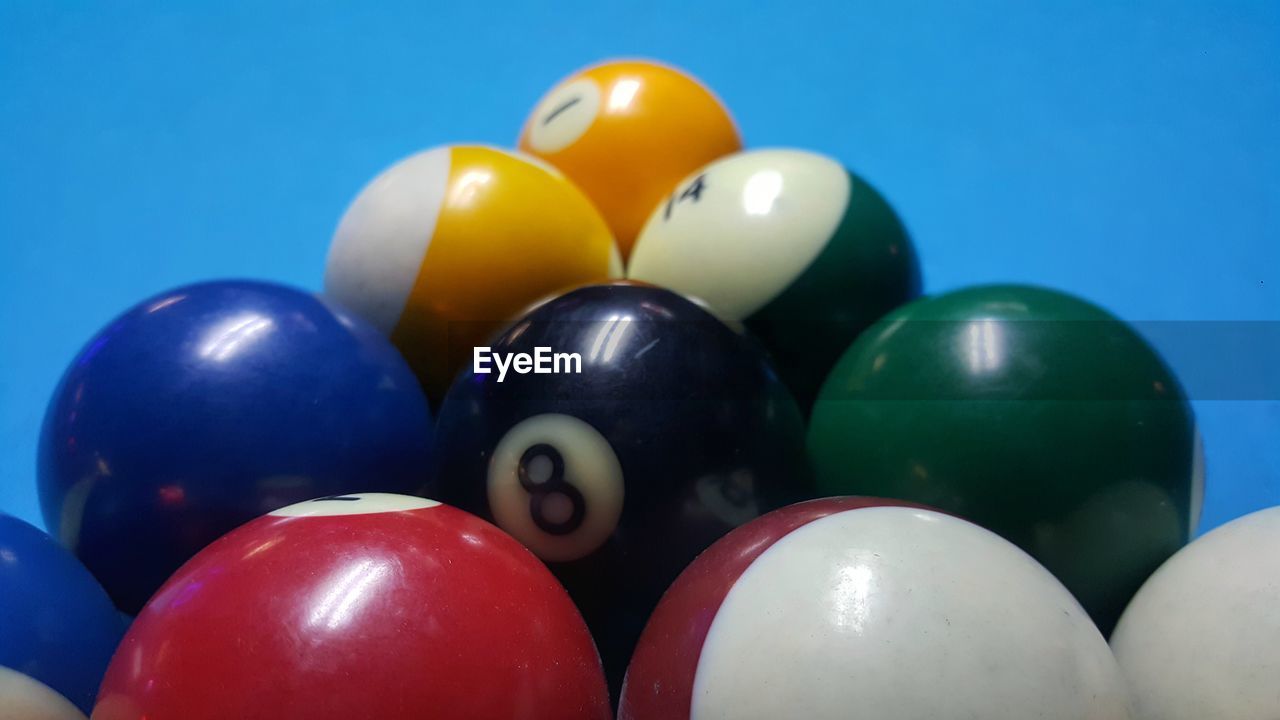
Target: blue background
(1126, 151)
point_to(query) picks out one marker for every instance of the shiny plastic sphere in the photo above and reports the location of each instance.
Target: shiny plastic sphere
(626, 131)
(1030, 412)
(445, 246)
(58, 628)
(1201, 639)
(853, 607)
(674, 432)
(206, 406)
(359, 607)
(801, 250)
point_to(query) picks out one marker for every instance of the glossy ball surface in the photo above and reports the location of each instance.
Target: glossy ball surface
(445, 246)
(626, 131)
(360, 606)
(675, 432)
(850, 607)
(1201, 639)
(58, 628)
(206, 406)
(792, 244)
(1030, 412)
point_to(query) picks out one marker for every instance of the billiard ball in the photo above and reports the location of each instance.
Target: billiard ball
(803, 251)
(358, 606)
(1031, 412)
(850, 607)
(58, 628)
(446, 245)
(626, 131)
(203, 407)
(1201, 639)
(674, 431)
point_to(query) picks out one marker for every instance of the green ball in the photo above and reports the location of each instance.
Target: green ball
(1031, 412)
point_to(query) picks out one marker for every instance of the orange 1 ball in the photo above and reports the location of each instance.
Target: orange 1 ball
(626, 132)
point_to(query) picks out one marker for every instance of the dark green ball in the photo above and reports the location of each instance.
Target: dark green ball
(1031, 412)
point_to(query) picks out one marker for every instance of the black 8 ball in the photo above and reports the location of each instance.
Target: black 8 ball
(675, 431)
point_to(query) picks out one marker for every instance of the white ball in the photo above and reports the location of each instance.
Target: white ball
(25, 698)
(873, 612)
(1201, 639)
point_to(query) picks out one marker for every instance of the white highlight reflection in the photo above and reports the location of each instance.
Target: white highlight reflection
(170, 301)
(623, 329)
(468, 186)
(225, 339)
(761, 191)
(343, 597)
(623, 93)
(985, 345)
(609, 337)
(851, 598)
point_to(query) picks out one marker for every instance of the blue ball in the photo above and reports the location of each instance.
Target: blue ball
(209, 405)
(57, 625)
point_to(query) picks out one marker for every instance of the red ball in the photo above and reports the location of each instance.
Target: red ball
(360, 606)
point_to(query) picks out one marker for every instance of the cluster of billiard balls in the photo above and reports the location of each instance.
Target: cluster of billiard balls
(695, 525)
